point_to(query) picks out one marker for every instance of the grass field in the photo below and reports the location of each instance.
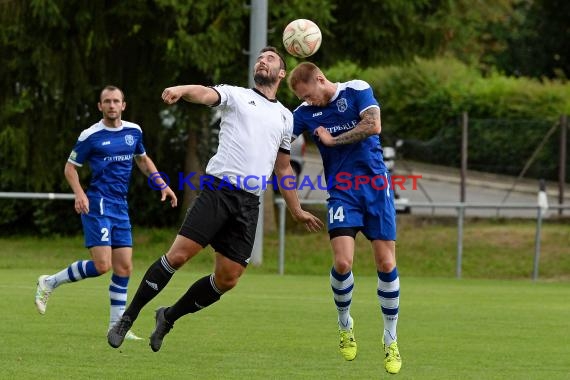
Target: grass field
(284, 327)
(495, 323)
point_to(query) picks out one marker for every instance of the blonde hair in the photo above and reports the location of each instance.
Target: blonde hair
(305, 72)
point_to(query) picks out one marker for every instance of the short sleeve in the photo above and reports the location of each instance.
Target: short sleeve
(80, 152)
(139, 149)
(286, 141)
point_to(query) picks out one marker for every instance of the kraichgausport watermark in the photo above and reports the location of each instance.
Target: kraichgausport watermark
(341, 181)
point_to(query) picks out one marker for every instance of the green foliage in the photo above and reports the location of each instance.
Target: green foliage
(537, 40)
(381, 32)
(201, 34)
(42, 85)
(12, 149)
(422, 103)
(418, 99)
(58, 54)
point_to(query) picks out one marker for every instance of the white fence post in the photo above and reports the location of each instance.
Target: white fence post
(460, 220)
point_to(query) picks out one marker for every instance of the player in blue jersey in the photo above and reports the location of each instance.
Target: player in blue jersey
(109, 147)
(344, 120)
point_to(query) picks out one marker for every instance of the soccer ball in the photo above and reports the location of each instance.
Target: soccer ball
(302, 38)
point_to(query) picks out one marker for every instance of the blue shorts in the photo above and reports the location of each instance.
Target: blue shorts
(107, 224)
(369, 209)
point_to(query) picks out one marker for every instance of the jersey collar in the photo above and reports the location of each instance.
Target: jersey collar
(262, 94)
(333, 98)
(116, 129)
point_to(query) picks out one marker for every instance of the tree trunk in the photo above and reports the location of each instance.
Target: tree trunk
(191, 165)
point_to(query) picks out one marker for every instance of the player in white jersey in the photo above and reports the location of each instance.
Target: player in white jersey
(110, 147)
(344, 120)
(255, 139)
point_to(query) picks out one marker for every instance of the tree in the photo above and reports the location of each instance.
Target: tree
(538, 40)
(381, 32)
(58, 54)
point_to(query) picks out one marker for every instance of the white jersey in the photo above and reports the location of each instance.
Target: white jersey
(252, 130)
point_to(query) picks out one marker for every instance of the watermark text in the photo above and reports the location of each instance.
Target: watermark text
(341, 181)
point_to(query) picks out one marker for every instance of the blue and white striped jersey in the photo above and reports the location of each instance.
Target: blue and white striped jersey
(342, 114)
(110, 153)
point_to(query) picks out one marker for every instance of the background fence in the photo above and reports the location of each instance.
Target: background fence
(459, 206)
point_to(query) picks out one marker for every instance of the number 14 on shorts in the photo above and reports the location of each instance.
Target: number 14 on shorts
(336, 215)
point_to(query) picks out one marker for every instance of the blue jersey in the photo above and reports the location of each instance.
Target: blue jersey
(341, 115)
(368, 208)
(110, 153)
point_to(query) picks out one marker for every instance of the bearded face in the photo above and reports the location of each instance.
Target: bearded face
(265, 76)
(267, 69)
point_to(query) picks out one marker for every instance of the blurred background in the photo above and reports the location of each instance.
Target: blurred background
(503, 64)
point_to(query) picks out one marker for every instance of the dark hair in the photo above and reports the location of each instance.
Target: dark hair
(274, 50)
(110, 87)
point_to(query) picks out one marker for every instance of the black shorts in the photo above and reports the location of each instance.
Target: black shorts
(225, 218)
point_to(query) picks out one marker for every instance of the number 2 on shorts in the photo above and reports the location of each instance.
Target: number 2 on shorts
(104, 234)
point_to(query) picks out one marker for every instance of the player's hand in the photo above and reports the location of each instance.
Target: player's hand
(81, 204)
(168, 193)
(324, 136)
(171, 95)
(312, 223)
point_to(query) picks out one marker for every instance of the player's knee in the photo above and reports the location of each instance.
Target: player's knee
(177, 258)
(226, 282)
(123, 270)
(343, 266)
(386, 266)
(102, 267)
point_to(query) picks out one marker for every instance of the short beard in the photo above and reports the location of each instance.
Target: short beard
(263, 80)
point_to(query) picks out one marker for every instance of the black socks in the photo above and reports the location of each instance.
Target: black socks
(201, 294)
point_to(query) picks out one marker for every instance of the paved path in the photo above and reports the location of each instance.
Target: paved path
(442, 185)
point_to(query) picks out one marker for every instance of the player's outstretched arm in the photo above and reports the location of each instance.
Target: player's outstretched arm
(285, 174)
(147, 166)
(192, 93)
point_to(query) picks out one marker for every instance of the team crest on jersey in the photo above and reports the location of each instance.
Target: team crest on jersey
(129, 139)
(341, 104)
